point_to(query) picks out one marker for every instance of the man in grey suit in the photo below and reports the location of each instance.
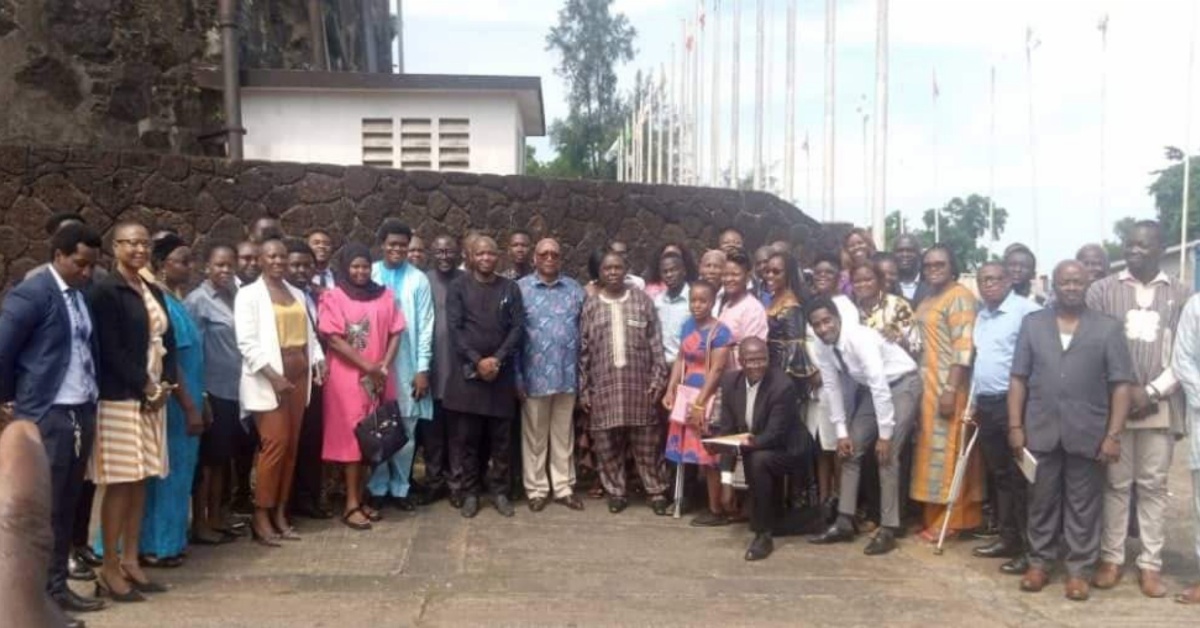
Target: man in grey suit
(1067, 402)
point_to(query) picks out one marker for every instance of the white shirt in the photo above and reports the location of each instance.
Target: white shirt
(870, 361)
(751, 396)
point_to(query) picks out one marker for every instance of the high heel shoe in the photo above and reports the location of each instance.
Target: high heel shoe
(266, 541)
(103, 590)
(149, 586)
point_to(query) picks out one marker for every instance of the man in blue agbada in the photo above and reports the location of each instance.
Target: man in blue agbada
(411, 368)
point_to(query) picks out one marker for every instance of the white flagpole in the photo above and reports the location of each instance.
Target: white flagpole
(714, 153)
(651, 119)
(937, 196)
(1103, 27)
(621, 156)
(807, 174)
(694, 117)
(827, 193)
(685, 106)
(991, 239)
(672, 112)
(1187, 151)
(1030, 44)
(758, 98)
(701, 147)
(865, 116)
(768, 121)
(879, 202)
(663, 113)
(789, 149)
(734, 92)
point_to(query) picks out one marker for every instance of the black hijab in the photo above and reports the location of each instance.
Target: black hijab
(368, 292)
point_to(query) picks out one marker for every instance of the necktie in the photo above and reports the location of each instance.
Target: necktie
(841, 361)
(81, 340)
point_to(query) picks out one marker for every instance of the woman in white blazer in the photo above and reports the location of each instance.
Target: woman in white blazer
(280, 358)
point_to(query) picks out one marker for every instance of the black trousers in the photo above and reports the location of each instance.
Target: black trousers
(63, 429)
(82, 526)
(1065, 511)
(306, 489)
(467, 432)
(765, 473)
(433, 437)
(1008, 484)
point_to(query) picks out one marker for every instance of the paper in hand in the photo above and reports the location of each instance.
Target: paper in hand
(1028, 465)
(732, 440)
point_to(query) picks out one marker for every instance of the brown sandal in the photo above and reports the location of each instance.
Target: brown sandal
(354, 525)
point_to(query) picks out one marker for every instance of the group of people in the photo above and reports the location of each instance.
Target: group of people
(210, 405)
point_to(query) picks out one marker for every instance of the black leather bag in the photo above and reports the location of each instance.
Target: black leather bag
(381, 433)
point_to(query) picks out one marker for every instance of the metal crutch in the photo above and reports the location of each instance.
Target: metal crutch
(965, 448)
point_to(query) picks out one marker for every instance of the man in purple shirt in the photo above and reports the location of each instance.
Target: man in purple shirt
(546, 377)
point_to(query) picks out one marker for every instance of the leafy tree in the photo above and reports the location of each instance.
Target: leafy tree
(1120, 229)
(556, 168)
(964, 223)
(590, 40)
(1167, 190)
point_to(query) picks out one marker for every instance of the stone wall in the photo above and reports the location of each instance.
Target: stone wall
(213, 199)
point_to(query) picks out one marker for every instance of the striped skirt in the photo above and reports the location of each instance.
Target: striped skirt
(131, 445)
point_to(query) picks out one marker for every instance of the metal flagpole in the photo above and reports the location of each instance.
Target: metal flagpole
(807, 173)
(758, 98)
(672, 111)
(1103, 28)
(685, 107)
(714, 153)
(694, 115)
(991, 239)
(879, 202)
(651, 118)
(937, 197)
(861, 110)
(734, 92)
(663, 113)
(1031, 43)
(621, 156)
(1187, 151)
(701, 148)
(789, 134)
(769, 83)
(827, 189)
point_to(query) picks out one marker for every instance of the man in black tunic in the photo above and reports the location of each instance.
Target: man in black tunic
(486, 323)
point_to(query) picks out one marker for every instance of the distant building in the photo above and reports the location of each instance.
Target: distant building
(410, 121)
(1170, 263)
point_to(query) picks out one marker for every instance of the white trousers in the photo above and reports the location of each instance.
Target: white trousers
(1145, 459)
(547, 432)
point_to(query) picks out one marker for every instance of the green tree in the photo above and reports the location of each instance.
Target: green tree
(1121, 228)
(964, 222)
(1167, 190)
(556, 168)
(590, 40)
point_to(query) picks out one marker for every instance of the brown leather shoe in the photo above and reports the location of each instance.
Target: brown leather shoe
(1152, 584)
(1107, 575)
(1034, 580)
(1077, 589)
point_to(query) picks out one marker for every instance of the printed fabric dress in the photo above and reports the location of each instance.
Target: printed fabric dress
(366, 326)
(168, 499)
(695, 348)
(945, 324)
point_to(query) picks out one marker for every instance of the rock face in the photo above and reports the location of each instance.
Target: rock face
(209, 199)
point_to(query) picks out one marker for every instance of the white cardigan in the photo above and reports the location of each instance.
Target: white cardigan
(258, 341)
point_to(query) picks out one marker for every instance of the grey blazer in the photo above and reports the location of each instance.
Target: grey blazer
(1069, 390)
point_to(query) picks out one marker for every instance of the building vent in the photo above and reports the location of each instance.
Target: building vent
(416, 143)
(454, 144)
(378, 142)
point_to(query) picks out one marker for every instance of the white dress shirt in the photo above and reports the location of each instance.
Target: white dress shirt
(870, 361)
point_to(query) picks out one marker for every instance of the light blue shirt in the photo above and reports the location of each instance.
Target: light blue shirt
(1185, 361)
(672, 313)
(78, 386)
(996, 342)
(411, 289)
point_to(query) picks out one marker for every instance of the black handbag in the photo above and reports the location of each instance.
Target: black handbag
(381, 433)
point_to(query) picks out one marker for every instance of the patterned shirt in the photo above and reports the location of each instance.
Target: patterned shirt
(892, 317)
(546, 365)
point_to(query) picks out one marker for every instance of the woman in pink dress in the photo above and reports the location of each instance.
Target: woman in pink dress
(743, 314)
(361, 324)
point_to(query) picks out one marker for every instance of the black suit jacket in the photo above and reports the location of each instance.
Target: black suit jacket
(777, 421)
(123, 329)
(35, 345)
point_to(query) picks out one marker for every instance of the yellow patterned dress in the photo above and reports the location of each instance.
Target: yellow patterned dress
(944, 324)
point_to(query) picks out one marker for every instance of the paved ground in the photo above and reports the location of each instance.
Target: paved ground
(562, 568)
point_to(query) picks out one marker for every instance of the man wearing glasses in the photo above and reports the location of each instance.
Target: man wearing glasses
(995, 338)
(546, 377)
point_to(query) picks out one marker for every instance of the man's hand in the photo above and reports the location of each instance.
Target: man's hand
(1138, 401)
(488, 366)
(195, 422)
(420, 386)
(946, 403)
(522, 395)
(1110, 450)
(668, 400)
(883, 451)
(747, 441)
(1016, 442)
(26, 539)
(845, 448)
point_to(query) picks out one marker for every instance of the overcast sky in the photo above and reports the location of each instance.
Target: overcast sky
(960, 40)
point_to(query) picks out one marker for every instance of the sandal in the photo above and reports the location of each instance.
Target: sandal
(154, 562)
(371, 514)
(219, 538)
(355, 525)
(289, 534)
(1190, 595)
(930, 535)
(596, 492)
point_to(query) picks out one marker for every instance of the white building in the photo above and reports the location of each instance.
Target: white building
(411, 121)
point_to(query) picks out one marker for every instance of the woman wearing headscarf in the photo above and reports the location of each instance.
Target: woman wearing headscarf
(136, 368)
(361, 324)
(280, 358)
(168, 499)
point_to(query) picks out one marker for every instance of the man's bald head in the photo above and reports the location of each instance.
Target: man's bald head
(1070, 285)
(752, 355)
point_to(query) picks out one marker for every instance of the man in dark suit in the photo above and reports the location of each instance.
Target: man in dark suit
(47, 369)
(1068, 397)
(761, 403)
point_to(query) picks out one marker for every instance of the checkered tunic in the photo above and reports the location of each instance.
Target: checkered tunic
(627, 395)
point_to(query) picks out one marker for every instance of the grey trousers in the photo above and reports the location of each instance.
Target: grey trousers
(864, 431)
(1065, 510)
(1196, 508)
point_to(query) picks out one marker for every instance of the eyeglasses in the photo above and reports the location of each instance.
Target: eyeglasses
(549, 254)
(988, 281)
(443, 252)
(134, 244)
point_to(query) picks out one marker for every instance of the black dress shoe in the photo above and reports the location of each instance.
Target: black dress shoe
(72, 602)
(761, 547)
(430, 496)
(456, 499)
(617, 504)
(1015, 567)
(73, 622)
(403, 504)
(997, 549)
(883, 542)
(839, 532)
(79, 570)
(88, 556)
(470, 506)
(503, 506)
(538, 504)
